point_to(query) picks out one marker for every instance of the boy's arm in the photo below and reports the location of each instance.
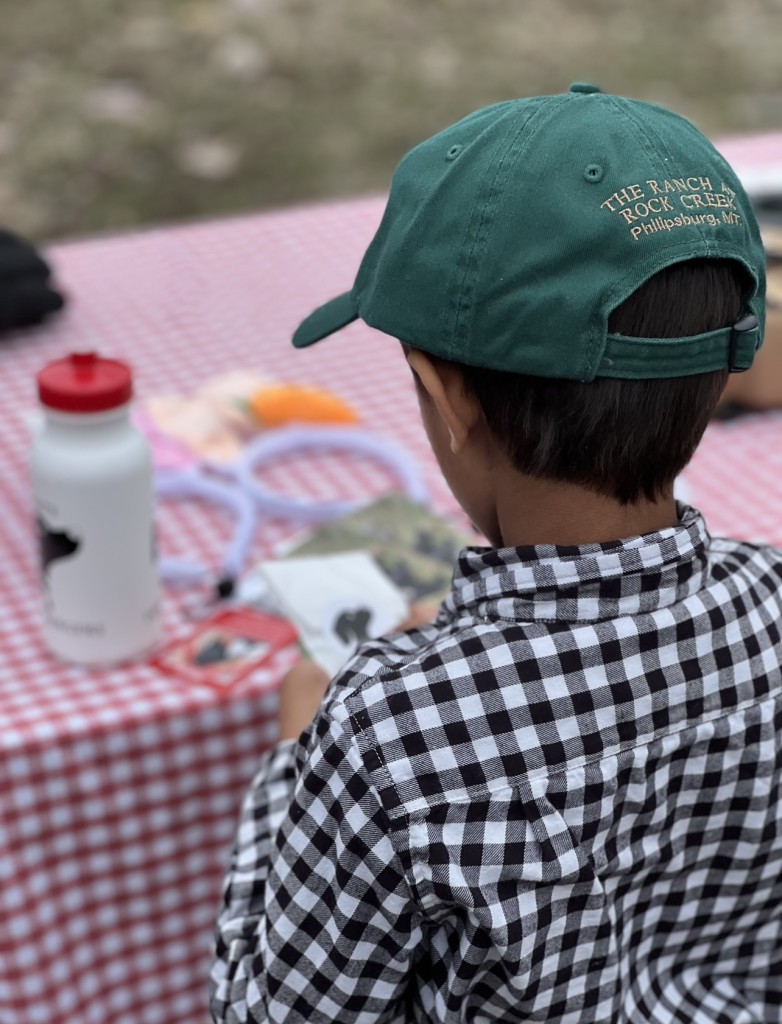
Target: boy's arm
(317, 924)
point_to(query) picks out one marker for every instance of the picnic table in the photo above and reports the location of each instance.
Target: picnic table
(120, 788)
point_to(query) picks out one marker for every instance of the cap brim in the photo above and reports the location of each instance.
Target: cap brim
(326, 319)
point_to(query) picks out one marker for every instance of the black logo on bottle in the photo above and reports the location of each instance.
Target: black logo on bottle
(55, 544)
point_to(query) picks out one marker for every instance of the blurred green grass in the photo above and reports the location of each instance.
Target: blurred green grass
(118, 114)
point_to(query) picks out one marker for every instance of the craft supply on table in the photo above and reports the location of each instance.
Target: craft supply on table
(279, 404)
(184, 440)
(214, 444)
(92, 486)
(212, 423)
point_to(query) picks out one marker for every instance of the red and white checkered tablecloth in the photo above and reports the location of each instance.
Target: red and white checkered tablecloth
(119, 789)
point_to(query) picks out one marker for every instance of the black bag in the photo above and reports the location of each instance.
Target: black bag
(26, 296)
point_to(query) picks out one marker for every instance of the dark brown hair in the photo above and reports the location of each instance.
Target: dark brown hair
(627, 439)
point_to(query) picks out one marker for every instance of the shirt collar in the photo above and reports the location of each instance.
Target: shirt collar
(588, 583)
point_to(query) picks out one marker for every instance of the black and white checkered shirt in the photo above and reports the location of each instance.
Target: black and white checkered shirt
(559, 802)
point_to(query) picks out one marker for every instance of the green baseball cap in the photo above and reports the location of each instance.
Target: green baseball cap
(510, 237)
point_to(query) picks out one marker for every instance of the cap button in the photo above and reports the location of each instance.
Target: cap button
(584, 87)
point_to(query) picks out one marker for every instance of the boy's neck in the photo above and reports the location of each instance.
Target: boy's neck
(532, 511)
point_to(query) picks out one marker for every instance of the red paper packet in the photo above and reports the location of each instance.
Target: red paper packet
(226, 647)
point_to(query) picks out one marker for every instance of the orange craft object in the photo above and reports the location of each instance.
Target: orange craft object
(294, 403)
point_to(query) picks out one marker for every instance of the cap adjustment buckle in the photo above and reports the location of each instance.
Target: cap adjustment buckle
(738, 336)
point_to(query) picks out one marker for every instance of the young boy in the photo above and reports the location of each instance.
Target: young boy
(560, 800)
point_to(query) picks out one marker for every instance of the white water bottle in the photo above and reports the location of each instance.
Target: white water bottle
(92, 484)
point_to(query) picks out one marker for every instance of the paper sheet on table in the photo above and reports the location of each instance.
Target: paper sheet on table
(415, 546)
(335, 602)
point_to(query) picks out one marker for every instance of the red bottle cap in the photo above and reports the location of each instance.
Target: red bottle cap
(84, 382)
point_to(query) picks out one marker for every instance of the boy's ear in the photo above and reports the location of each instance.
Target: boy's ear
(444, 386)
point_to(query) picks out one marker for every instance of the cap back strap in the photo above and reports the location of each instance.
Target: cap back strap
(732, 348)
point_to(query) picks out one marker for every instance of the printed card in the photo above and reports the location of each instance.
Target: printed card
(336, 602)
(226, 647)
